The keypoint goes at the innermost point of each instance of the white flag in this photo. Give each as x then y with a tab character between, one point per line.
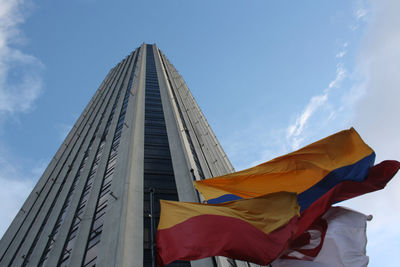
344	245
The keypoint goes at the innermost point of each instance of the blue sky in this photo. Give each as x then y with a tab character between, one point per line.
270	76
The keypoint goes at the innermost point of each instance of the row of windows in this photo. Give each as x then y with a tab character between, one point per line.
159	180
109	169
51	180
150	110
155	116
61	215
64	260
156	129
158	169
192	149
65	257
195	157
53	236
104	196
96	228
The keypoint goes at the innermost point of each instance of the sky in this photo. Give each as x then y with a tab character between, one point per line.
270	77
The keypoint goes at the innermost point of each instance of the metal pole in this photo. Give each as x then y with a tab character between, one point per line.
194	179
153	245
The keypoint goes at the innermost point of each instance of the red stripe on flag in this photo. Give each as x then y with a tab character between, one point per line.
213	235
379	175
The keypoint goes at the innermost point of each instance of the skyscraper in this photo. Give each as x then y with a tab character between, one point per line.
141	138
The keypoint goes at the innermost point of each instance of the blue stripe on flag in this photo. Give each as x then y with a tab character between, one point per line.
355	172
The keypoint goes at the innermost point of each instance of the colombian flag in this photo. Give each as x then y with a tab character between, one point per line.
256	230
260	221
311	171
378	177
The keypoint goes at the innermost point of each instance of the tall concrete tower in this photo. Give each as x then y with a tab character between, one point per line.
141	138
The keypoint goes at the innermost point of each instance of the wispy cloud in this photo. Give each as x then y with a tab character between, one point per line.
372	107
20	73
16	182
294	134
360	15
20	85
343	50
375	116
341	54
377	109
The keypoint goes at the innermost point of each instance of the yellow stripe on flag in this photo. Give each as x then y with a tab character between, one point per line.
294	172
267	213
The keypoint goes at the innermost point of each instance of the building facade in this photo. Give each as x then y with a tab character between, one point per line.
141	138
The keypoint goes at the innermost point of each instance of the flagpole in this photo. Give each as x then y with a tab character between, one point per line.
153	245
194	179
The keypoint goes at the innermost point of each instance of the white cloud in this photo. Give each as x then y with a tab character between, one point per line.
341	54
16	184
361	13
20	86
20	73
354	27
343	50
13	193
295	131
376	118
372	106
340	75
295	135
376	112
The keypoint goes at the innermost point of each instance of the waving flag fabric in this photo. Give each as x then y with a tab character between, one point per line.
256	230
256	221
310	171
378	177
344	243
310	232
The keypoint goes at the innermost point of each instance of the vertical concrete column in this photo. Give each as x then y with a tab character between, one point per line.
180	152
41	204
204	133
55	198
83	146
114	232
189	127
78	252
197	134
186	150
109	237
57	250
130	243
44	179
178	145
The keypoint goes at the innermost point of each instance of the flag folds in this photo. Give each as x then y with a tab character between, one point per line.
310	171
344	243
257	215
379	175
255	230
